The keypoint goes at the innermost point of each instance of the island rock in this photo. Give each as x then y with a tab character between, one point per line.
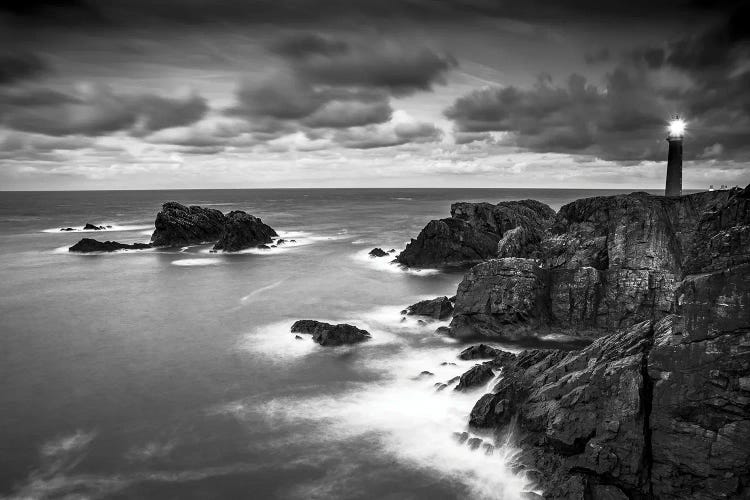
88	245
327	334
242	230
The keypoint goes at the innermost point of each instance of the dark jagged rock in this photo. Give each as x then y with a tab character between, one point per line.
178	225
377	252
608	263
242	230
475	376
439	308
92	227
657	410
88	245
461	437
480	351
474	443
500	297
473	232
327	334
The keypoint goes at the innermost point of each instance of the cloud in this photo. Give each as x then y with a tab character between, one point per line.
95	110
17	67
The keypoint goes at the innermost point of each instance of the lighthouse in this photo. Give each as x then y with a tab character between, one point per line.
674	158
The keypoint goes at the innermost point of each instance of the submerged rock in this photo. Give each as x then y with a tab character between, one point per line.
377	252
178	225
87	245
327	334
242	230
439	308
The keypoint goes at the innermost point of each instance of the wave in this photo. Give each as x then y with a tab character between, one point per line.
113	228
412	421
403	199
197	262
386	263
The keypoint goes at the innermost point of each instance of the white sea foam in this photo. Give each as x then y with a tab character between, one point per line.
413	422
197	262
386	263
114	228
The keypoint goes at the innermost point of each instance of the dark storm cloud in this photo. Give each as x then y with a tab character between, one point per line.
623	119
371	138
333	83
130	13
97	111
18	67
397	67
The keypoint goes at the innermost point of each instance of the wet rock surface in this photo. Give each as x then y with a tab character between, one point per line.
476	376
327	334
377	252
480	351
178	225
438	308
88	245
242	230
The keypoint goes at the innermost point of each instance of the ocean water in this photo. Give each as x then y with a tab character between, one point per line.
172	374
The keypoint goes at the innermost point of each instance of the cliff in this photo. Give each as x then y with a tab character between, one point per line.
604	263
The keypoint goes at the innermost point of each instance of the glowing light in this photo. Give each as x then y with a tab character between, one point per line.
677	127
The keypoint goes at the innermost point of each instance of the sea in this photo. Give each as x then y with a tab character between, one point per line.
172	374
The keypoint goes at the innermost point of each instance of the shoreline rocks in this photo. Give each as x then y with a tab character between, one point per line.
327	334
88	245
473	232
439	308
377	252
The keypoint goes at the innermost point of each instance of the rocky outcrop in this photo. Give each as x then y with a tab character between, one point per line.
178	225
657	410
473	232
480	351
88	245
476	376
500	297
607	263
327	334
92	227
377	252
439	308
242	230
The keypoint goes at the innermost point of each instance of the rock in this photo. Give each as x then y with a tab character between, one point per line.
500	297
87	245
281	241
488	449
92	227
242	230
442	330
480	351
377	252
454	380
425	373
476	376
447	363
461	437
392	250
655	410
297	337
327	334
439	308
67	229
473	232
605	263
178	225
474	443
421	322
440	386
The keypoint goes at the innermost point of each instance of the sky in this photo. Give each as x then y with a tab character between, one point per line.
172	94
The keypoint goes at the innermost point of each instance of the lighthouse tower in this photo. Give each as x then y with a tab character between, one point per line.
674	159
